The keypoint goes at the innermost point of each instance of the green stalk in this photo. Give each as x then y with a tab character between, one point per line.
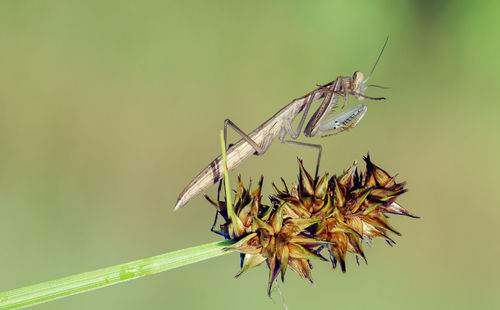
79	283
236	228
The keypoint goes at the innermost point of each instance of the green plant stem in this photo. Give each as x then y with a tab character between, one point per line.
236	228
79	283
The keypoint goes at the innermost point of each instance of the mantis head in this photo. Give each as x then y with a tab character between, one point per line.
358	85
358	81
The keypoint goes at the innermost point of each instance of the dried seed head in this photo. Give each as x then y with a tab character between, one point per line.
336	214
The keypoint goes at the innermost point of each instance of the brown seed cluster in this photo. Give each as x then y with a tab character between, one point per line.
334	214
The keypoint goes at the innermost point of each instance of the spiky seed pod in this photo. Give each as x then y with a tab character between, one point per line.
246	207
337	214
353	209
269	237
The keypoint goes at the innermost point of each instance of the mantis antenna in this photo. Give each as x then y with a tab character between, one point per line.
379	55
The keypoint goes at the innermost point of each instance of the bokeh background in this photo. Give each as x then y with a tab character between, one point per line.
109	108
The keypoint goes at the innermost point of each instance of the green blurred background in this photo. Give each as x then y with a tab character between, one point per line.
109	108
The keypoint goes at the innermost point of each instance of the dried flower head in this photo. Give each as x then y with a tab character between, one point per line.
335	214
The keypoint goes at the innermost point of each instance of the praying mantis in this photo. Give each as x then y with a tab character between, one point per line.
279	125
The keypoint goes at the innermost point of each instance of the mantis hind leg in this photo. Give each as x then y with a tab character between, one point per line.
258	150
316	146
218	232
216	212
